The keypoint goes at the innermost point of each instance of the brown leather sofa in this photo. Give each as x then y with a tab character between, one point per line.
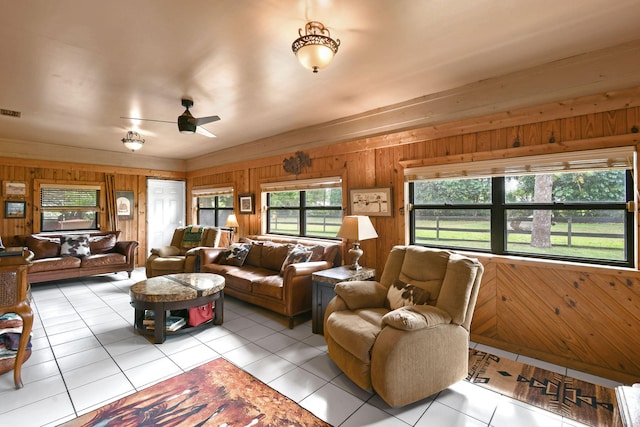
106	254
261	279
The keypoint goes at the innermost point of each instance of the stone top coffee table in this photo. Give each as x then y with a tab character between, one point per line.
176	292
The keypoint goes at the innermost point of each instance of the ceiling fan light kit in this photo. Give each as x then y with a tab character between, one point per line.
315	49
133	141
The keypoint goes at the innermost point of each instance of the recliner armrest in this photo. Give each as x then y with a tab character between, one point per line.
361	294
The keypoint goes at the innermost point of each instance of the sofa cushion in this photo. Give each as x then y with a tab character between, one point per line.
100	260
102	244
297	254
270	286
401	294
273	255
43	247
170	263
236	254
56	263
75	245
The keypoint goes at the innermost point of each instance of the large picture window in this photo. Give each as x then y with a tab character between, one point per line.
565	213
310	208
69	207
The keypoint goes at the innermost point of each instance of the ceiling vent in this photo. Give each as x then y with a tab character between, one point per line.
10	113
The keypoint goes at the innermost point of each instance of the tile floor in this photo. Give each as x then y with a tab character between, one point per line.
86	354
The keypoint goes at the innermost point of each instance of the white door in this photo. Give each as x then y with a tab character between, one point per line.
165	210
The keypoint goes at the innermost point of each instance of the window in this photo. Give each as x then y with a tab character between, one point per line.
311	208
69	207
561	212
213	206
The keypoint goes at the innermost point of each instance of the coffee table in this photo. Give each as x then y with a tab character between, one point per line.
176	292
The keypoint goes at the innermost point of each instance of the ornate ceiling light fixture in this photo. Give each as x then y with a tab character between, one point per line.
133	141
315	49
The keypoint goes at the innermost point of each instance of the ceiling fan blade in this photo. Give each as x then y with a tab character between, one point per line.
203	120
148	120
203	131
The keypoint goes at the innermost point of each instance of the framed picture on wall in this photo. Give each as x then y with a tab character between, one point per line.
371	201
12	188
13	209
124	204
246	203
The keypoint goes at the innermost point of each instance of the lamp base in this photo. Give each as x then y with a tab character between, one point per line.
355	253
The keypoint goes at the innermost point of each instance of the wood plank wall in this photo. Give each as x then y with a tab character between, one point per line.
578	316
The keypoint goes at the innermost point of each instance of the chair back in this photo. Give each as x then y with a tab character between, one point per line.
452	280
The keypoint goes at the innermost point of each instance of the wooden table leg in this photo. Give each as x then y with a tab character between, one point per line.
160	321
24	311
218	310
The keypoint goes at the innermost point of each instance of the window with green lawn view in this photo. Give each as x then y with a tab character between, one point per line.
309	212
578	215
66	207
214	210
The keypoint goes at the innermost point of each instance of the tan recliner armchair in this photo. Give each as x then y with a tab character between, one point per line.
180	255
411	352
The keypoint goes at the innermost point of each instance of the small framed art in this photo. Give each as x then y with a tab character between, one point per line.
15	188
371	201
246	203
13	209
124	204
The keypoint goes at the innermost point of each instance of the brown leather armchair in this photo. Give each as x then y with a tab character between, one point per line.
180	255
406	337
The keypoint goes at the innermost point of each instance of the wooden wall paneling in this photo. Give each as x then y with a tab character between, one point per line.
550	131
531	134
633	118
483	141
484	323
469	143
571	129
499	139
591	125
615	123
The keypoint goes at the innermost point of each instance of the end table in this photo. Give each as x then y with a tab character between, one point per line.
323	290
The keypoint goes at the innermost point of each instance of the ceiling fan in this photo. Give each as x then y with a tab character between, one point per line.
186	122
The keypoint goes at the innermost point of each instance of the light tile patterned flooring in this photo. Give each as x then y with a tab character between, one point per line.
86	354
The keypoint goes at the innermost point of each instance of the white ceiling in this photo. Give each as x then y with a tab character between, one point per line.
74	67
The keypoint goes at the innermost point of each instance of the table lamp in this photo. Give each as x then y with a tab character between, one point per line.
232	223
356	227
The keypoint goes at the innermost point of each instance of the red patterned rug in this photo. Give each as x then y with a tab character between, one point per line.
587	403
216	394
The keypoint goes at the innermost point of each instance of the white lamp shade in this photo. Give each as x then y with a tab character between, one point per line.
232	221
357	227
133	145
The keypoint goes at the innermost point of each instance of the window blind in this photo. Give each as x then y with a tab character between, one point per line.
611	158
207	191
303	184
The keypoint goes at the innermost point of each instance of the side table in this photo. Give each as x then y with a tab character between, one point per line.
324	282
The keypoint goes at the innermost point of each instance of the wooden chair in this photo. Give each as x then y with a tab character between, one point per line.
15	298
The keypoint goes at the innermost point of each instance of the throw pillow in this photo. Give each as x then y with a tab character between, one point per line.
296	255
401	294
192	236
43	247
75	246
235	254
102	244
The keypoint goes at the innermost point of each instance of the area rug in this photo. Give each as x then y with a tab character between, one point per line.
215	394
578	400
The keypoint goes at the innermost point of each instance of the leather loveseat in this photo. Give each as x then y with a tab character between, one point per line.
63	256
273	272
